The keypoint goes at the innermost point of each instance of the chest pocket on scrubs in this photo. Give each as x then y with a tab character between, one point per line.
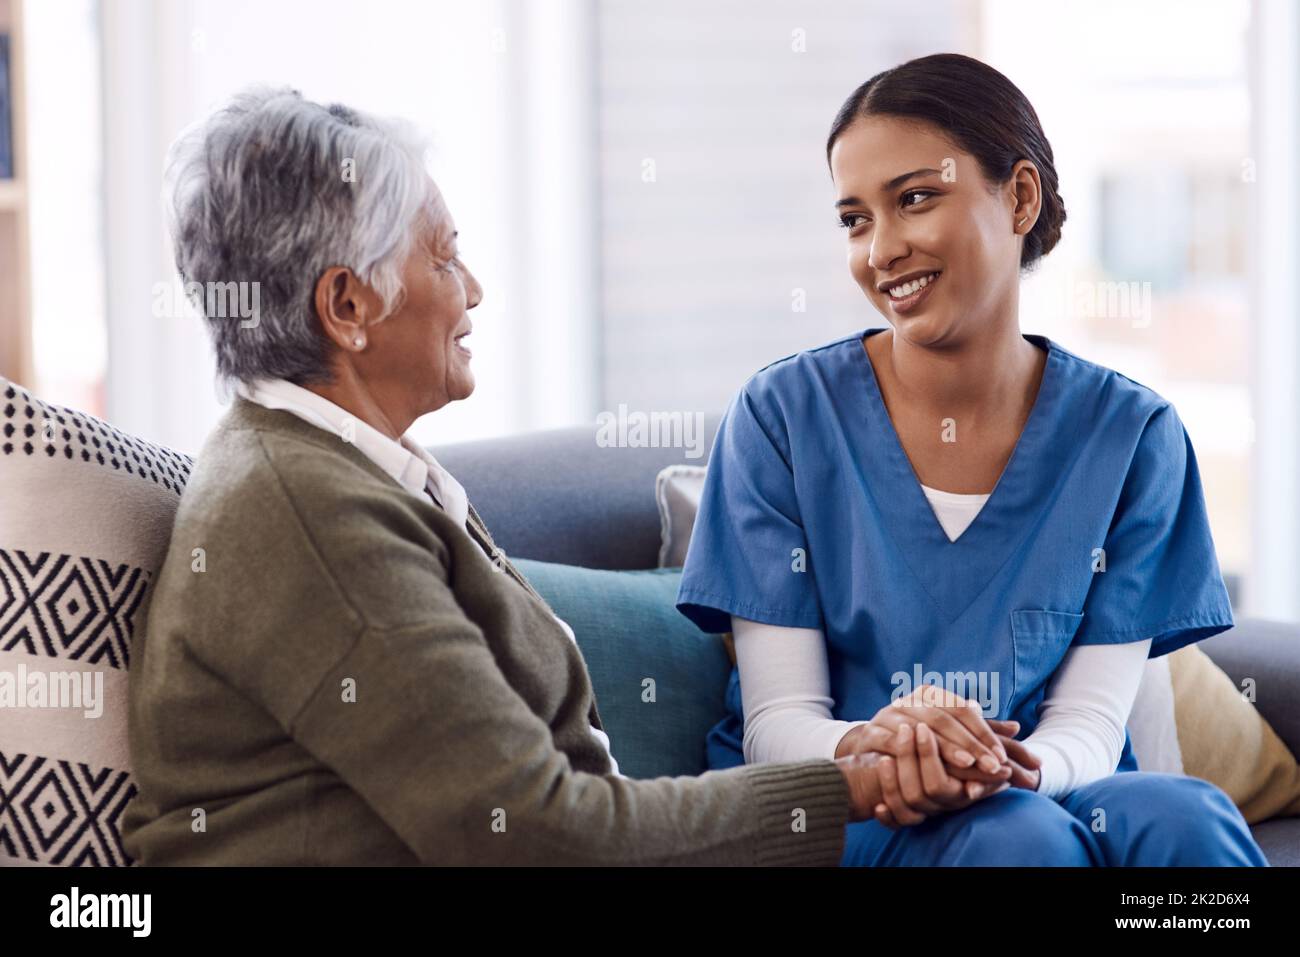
1041	639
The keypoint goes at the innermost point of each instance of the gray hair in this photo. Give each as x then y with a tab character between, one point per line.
259	193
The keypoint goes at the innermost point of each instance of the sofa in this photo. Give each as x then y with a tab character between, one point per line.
85	519
558	497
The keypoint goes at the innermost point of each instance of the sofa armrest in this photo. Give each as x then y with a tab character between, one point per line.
1267	652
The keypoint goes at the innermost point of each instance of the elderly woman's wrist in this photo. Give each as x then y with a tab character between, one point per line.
860	772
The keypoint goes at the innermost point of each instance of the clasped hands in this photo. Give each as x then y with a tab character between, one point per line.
934	752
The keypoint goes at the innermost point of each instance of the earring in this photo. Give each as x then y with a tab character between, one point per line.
1022	222
359	342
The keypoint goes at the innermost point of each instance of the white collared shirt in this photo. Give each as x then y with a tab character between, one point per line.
408	462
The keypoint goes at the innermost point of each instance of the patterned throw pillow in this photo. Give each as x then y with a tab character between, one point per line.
85	516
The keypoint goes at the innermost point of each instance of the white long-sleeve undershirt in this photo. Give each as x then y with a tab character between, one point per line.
785	691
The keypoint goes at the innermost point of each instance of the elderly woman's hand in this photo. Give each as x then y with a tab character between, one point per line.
901	767
971	755
915	783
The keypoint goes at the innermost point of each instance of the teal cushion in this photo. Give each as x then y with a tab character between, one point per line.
629	630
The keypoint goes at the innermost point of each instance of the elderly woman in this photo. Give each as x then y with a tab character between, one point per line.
338	666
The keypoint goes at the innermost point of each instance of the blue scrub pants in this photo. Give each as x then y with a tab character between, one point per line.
1130	819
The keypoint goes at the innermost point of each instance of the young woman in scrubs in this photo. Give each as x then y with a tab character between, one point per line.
946	507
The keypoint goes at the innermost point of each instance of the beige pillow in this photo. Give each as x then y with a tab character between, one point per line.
1224	739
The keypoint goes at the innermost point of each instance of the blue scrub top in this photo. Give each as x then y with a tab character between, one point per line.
812	517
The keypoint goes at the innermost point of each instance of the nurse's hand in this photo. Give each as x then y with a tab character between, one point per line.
965	739
1022	765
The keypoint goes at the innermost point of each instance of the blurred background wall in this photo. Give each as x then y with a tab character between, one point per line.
642	190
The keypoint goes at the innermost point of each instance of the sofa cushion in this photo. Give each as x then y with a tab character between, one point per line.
84	523
561	496
659	681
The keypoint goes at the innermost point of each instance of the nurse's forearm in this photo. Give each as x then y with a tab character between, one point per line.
794	733
1081	735
785	690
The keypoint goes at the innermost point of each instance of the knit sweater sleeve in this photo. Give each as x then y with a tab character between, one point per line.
455	762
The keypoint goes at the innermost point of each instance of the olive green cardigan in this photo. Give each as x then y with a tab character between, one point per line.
333	671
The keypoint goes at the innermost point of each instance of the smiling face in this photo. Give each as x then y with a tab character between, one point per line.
914	206
420	344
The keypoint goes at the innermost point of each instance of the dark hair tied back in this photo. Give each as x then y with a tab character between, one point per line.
981	111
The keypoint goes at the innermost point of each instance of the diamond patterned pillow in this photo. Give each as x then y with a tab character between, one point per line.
85	518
